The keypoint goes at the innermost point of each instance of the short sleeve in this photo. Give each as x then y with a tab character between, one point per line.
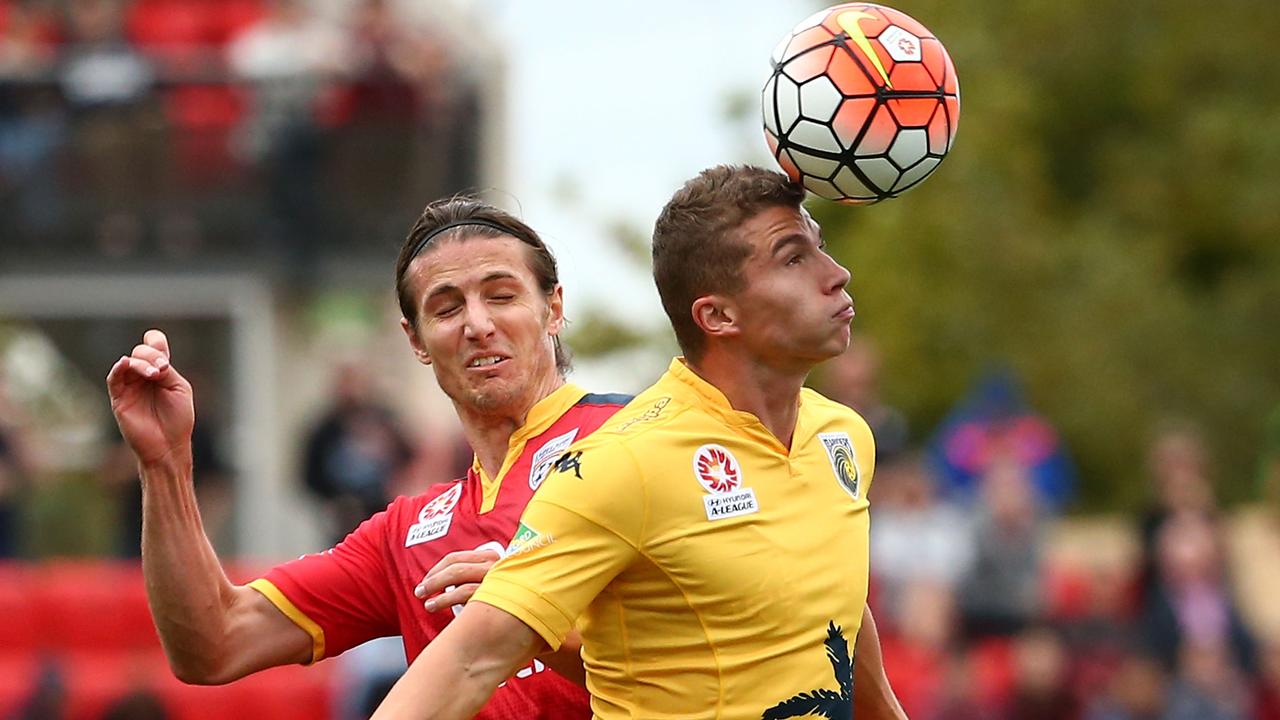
581	530
340	597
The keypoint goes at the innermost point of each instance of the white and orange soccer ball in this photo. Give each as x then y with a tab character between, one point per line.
862	105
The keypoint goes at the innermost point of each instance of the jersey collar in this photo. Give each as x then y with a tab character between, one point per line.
713	401
541	416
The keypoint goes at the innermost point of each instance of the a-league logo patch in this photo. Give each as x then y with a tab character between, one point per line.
435	517
720	476
844	462
546	456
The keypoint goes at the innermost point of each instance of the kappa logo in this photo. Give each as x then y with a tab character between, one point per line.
570	461
435	518
651	414
546	456
720	475
844	463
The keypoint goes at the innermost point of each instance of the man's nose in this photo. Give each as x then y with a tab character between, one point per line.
479	321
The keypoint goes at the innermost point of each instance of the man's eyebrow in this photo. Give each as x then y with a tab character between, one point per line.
787	241
446	288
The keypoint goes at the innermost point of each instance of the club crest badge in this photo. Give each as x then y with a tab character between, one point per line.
546	456
844	462
720	475
435	517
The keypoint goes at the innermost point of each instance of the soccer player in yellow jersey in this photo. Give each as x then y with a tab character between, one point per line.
710	540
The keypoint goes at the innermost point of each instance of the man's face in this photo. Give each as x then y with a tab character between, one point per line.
483	323
793	308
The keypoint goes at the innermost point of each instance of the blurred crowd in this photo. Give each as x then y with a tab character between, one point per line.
980	619
981	615
168	129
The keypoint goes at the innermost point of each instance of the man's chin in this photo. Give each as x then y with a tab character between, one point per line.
495	398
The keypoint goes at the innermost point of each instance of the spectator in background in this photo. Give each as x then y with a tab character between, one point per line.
994	424
289	58
1208	686
354	453
1040	674
1178	464
1001	594
118	474
916	538
853	379
107	85
15	475
391	110
1137	691
1192	610
32	128
1099	631
1267	705
917	652
137	705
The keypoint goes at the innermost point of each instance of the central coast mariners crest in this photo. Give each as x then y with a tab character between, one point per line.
843	462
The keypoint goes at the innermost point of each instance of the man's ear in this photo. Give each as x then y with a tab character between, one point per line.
555	311
415	342
716	315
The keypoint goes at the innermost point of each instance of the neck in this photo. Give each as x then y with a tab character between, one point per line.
769	393
489	433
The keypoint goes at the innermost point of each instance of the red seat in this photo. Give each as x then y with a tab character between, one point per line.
98	606
17	607
233	17
169	27
285	692
19	673
992	662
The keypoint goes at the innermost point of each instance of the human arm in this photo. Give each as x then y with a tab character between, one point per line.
456	578
873	698
461	668
212	631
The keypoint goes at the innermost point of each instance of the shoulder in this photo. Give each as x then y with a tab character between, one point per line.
615	400
644	418
826	410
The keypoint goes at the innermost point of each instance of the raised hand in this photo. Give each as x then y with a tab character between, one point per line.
152	402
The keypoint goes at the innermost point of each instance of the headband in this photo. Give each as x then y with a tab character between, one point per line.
453	224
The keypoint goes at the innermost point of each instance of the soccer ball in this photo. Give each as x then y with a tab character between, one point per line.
862	105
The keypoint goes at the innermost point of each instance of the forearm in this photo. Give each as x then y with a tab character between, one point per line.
873	697
189	594
454	677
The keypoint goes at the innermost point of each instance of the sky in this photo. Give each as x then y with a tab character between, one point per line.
623	102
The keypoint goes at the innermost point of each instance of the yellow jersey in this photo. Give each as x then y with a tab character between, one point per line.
712	572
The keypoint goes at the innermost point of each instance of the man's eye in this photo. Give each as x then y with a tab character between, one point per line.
504	297
447	310
794	260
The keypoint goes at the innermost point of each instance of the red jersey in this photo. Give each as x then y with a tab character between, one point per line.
363	588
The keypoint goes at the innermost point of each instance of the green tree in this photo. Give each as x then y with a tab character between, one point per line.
1106	224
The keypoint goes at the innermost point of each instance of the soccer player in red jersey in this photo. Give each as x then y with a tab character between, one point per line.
483	306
